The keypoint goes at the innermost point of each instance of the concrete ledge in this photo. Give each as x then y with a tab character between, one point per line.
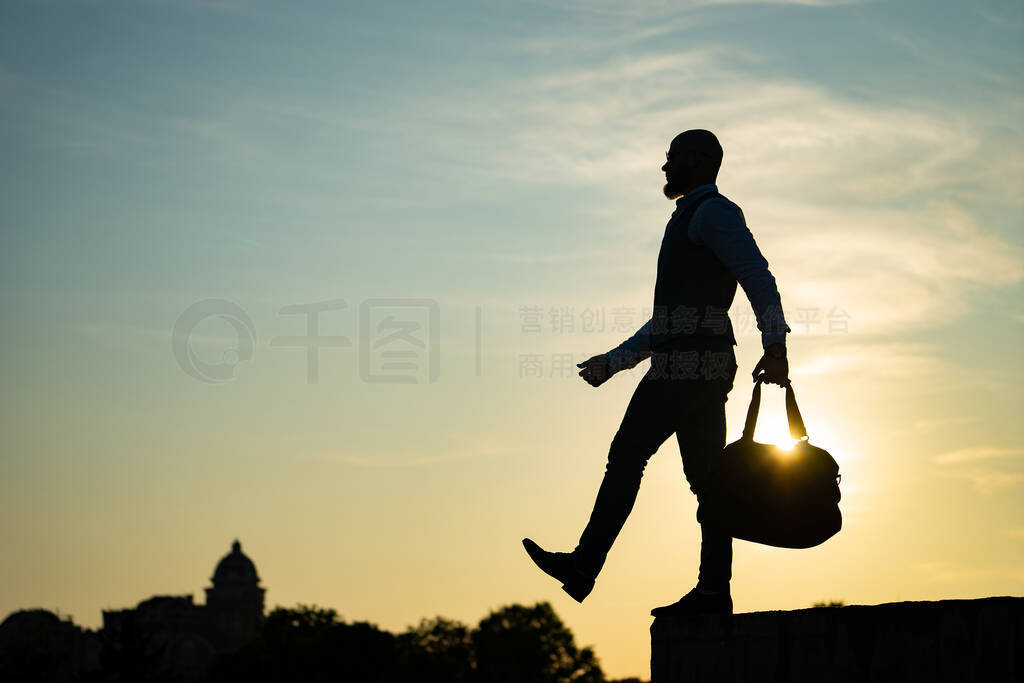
949	640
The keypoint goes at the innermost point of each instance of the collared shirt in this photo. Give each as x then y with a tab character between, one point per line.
719	224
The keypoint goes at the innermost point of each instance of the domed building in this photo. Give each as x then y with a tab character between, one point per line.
174	635
235	602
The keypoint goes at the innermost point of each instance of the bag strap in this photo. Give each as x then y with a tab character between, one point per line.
797	430
796	422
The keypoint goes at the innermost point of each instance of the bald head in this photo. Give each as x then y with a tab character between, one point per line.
700	141
693	159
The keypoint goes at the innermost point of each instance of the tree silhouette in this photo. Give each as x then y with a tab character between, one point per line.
513	644
439	649
312	645
518	643
830	603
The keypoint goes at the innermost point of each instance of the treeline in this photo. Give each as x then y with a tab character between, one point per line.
514	644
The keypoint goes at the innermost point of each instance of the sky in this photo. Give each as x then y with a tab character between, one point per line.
190	189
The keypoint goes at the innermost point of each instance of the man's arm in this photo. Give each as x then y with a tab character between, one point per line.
629	353
720	225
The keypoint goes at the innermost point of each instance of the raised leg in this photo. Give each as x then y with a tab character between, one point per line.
649	420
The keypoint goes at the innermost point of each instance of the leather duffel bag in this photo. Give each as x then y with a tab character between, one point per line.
765	494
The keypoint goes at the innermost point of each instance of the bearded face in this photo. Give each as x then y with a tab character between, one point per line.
678	175
693	159
673	189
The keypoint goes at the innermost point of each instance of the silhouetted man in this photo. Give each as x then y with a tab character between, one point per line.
706	250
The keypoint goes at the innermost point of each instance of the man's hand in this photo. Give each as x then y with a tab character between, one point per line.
596	370
772	369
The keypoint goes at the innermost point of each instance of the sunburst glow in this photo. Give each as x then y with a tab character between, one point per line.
774	432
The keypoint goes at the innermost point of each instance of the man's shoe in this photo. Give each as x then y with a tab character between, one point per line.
695	602
561	566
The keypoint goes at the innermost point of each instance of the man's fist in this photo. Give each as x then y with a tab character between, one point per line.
596	370
772	370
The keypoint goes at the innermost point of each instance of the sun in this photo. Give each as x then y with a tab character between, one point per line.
774	432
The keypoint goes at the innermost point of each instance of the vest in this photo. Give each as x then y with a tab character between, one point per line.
693	291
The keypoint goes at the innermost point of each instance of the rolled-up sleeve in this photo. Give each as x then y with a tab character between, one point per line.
719	224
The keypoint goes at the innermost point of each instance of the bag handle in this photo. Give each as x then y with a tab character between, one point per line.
796	423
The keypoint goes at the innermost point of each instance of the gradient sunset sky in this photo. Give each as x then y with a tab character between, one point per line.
496	165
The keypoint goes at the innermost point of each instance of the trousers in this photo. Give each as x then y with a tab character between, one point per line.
683	393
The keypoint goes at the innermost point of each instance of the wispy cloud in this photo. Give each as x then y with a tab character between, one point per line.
929	424
891	270
890	361
1009	16
648	8
987	481
988	469
975	453
605	122
847	232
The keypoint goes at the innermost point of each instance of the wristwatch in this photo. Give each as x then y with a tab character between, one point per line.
776	350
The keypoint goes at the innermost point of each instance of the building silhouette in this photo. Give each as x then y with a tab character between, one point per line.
166	634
